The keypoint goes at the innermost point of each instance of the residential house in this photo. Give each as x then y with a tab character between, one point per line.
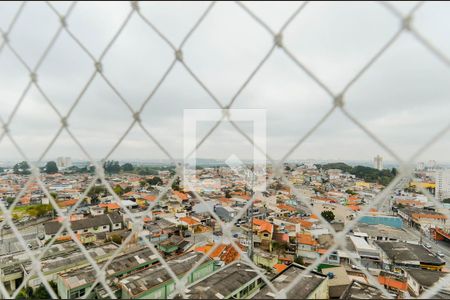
234	281
94	224
420	280
156	282
75	284
312	286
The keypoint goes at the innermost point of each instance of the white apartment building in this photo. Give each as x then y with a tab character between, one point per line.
378	162
63	162
442	184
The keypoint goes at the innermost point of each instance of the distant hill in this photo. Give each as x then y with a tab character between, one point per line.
369	174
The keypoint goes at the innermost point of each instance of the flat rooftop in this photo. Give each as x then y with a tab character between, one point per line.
121	263
222	283
409	252
425	278
301	290
147	279
359	290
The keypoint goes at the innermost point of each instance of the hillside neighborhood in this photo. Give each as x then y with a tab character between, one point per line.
141	215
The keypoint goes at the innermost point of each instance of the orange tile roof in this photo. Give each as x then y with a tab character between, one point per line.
189	221
409	202
286	207
313	216
303	223
67	203
354	207
280	267
109	205
428	216
182	196
218	251
263	225
230	254
128	194
306	239
149	197
205	248
25	199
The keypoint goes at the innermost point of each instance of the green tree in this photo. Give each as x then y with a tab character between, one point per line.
328	215
118	190
394	172
299	260
350	192
10	200
127	167
22	168
42	293
176	184
54	195
112	167
155	181
51	167
95	192
116	239
25	293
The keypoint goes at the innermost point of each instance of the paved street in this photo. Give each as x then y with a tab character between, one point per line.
10	244
436	246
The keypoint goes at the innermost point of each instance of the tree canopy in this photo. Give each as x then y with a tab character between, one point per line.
51	168
127	167
328	215
22	168
112	167
368	174
155	181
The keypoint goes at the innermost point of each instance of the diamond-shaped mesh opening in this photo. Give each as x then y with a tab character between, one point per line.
136	207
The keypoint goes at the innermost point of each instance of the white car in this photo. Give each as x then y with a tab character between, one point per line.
427	245
440	254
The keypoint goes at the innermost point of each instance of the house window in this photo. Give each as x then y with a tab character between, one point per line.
104	227
85	230
243	292
266	234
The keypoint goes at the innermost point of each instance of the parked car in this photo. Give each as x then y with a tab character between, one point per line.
440	254
427	245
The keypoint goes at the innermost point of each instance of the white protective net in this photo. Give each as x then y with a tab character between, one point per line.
406	26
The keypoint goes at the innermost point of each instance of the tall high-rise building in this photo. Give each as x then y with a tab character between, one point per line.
420	166
378	162
63	162
432	164
442	184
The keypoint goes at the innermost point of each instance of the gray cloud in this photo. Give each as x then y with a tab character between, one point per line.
403	98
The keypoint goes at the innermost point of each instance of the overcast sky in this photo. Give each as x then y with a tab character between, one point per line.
403	98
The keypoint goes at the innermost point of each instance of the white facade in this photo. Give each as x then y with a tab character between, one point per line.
63	162
378	162
443	184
